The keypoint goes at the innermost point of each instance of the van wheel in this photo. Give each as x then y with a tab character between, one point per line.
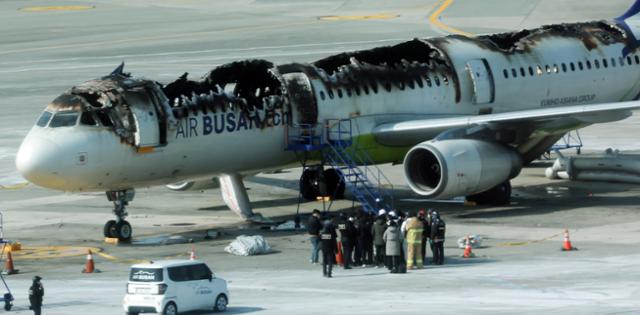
221	303
170	309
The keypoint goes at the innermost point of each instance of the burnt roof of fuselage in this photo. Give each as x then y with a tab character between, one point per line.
592	34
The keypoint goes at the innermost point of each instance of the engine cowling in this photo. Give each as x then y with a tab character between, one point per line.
195	185
459	167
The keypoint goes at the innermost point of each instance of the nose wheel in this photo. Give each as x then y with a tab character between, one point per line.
119	228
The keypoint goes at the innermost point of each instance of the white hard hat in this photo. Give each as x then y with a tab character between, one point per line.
392	213
382	212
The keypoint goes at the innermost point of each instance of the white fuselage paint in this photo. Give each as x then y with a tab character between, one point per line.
193	153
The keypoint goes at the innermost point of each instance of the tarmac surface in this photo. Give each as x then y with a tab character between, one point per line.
46	47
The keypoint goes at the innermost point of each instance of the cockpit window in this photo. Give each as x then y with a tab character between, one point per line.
64	119
44	119
87	119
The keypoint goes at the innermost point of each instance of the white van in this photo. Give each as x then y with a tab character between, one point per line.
169	286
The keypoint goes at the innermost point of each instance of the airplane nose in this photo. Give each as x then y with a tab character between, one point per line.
37	162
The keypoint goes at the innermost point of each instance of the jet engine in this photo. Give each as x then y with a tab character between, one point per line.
459	167
195	185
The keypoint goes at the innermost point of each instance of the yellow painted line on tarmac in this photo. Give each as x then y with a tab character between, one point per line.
380	16
511	244
118	260
434	18
51	252
57	8
14	187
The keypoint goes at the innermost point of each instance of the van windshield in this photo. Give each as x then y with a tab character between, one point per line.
145	275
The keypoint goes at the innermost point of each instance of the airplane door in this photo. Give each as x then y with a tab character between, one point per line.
482	78
145	116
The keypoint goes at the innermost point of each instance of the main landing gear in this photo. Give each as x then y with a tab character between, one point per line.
316	182
119	228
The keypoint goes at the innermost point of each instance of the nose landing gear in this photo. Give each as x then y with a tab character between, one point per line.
119	228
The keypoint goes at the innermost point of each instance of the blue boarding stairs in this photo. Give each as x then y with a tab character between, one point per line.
357	170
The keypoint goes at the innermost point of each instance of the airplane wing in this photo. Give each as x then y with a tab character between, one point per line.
557	120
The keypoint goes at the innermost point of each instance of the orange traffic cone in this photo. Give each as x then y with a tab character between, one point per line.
467	249
192	256
8	266
90	266
566	246
339	258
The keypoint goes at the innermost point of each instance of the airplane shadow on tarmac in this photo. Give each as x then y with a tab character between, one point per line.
540	200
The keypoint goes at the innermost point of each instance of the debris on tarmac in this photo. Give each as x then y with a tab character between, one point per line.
475	240
288	226
245	245
167	239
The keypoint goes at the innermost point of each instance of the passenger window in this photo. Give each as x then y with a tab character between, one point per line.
548	69
200	272
429	81
555	68
580	66
179	274
340	93
564	67
621	61
105	120
322	96
348	92
596	63
573	67
613	62
637	59
629	62
531	71
357	88
436	80
605	63
64	119
514	72
419	81
588	65
522	72
505	72
44	119
366	89
445	80
539	70
87	119
387	86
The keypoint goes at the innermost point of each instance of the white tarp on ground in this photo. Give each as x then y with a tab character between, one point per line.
245	245
475	240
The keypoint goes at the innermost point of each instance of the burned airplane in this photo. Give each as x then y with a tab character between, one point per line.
464	114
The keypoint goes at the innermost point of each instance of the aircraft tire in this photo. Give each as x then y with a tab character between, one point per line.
308	190
496	196
109	227
123	231
334	183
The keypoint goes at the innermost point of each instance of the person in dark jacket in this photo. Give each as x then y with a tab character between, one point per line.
422	216
365	239
329	245
347	238
313	227
377	231
437	238
36	293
